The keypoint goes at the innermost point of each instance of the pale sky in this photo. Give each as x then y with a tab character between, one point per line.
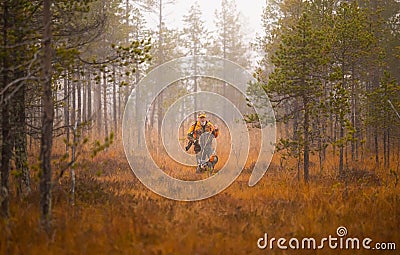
250	10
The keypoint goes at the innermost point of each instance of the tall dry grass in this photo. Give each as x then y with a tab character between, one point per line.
115	214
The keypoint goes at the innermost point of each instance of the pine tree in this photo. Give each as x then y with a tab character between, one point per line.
47	118
229	43
194	34
351	44
195	39
383	99
296	61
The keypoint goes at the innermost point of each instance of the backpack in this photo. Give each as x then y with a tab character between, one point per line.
195	124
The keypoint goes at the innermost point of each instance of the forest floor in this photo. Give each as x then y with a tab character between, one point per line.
115	214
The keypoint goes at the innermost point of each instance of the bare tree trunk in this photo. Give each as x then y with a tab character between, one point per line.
120	106
98	107
139	141
105	103
73	150
353	115
384	147
115	100
341	120
79	97
66	111
306	125
89	98
225	57
20	143
160	113
84	96
298	165
341	150
334	135
196	88
321	130
73	91
47	119
161	61
181	118
6	148
295	138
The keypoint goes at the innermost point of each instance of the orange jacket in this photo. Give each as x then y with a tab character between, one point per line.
196	130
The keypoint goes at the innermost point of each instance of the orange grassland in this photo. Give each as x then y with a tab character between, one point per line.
115	214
